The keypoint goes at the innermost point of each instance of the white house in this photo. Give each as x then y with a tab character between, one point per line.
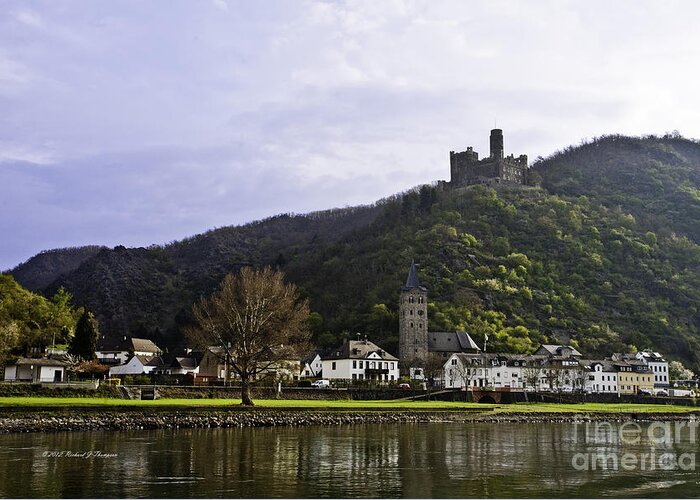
360	360
311	366
137	365
117	352
182	365
601	377
497	371
658	365
36	370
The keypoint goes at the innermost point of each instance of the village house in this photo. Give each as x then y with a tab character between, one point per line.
311	366
601	376
513	372
658	365
36	370
497	371
360	360
634	376
213	364
138	365
183	365
113	352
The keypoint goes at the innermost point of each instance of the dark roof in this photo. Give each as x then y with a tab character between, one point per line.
496	359
359	349
412	281
126	344
150	360
652	356
309	358
451	342
40	361
108	344
638	365
608	365
557	350
187	363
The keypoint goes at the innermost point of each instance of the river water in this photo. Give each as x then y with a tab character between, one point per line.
397	460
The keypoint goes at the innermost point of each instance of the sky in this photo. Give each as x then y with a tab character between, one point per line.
139	123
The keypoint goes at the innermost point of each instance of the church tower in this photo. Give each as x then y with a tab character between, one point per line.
413	321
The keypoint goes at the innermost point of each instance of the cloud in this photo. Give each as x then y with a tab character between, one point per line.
154	121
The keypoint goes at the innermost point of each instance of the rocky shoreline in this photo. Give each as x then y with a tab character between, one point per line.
24	420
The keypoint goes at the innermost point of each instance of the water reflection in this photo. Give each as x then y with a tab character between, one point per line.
407	460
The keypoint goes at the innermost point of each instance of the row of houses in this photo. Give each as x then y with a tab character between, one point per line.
552	368
558	368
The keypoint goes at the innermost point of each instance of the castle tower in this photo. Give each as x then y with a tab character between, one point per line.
496	144
413	321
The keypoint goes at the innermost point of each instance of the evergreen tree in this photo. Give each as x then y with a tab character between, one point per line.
84	342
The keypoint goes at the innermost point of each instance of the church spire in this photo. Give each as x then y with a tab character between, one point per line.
412	281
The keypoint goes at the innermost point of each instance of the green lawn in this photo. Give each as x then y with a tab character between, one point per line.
342	405
31	401
594	408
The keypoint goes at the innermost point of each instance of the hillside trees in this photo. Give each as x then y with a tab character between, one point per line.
30	320
606	253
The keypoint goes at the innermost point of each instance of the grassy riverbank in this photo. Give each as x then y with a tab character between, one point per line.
341	405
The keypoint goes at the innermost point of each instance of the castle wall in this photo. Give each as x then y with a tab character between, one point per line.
466	169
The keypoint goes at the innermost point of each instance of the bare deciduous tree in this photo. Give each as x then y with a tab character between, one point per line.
433	369
258	322
463	373
532	375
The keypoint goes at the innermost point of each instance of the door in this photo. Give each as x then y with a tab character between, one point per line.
57	375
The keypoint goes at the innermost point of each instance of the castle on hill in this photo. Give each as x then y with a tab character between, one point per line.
467	169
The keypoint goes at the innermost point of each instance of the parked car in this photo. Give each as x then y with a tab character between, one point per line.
662	392
404	385
321	384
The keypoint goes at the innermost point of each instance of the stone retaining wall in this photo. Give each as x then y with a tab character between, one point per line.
359	394
51	390
101	420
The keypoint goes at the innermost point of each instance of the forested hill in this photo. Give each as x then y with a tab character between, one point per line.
604	254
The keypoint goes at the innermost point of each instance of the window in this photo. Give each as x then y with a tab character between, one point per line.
354	376
411	324
453	362
411	313
354	363
333	365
